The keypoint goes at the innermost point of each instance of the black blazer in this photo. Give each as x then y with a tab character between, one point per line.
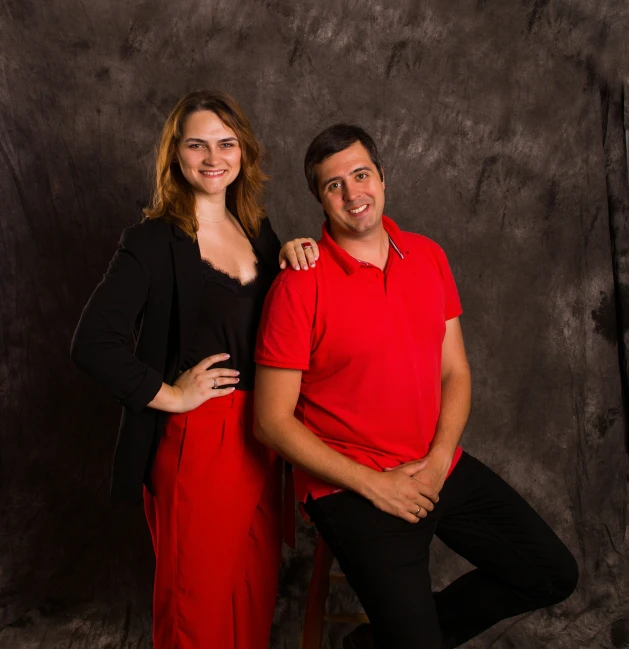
151	293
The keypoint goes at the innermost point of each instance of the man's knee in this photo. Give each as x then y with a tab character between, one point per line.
559	582
565	579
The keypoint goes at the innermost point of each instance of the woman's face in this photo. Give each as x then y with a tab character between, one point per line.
208	153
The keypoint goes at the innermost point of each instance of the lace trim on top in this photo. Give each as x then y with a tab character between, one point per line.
213	274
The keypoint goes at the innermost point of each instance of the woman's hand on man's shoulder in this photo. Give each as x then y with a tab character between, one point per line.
299	254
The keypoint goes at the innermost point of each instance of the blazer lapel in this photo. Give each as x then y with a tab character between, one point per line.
265	246
261	248
188	279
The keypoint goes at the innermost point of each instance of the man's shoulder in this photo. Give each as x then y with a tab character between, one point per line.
300	281
423	250
420	243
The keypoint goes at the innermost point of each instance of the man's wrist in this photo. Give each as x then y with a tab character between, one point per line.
442	455
363	481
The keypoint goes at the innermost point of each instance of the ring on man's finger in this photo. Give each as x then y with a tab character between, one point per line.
418	512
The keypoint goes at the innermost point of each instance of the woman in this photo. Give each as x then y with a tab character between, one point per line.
190	281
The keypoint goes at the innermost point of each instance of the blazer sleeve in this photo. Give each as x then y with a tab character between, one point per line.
101	343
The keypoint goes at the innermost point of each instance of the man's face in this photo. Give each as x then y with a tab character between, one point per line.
351	192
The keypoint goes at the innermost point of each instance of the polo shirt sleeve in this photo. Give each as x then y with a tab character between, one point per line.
285	331
452	302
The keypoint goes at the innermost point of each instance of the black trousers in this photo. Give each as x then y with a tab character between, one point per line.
521	565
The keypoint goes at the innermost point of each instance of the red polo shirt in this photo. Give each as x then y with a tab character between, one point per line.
368	343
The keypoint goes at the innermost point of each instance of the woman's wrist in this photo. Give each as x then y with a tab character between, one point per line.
168	399
176	396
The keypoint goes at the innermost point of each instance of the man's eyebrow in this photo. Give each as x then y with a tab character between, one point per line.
351	173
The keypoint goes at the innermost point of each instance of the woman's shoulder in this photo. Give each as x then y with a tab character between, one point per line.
266	231
147	234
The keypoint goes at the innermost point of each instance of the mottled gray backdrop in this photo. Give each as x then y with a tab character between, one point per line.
502	128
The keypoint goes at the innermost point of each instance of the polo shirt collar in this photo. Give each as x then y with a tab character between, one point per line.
350	264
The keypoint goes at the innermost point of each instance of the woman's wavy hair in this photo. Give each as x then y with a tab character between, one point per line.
173	198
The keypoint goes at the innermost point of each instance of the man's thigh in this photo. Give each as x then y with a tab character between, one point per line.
486	521
385	560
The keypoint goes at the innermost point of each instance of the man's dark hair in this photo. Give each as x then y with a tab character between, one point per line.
333	140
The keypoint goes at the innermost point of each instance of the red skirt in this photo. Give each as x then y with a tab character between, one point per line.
216	527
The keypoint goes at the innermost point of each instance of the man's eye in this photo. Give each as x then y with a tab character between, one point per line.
333	186
361	176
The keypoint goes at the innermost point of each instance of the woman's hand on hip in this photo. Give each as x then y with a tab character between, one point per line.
299	253
196	385
200	383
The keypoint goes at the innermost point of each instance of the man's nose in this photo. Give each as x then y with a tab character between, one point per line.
351	191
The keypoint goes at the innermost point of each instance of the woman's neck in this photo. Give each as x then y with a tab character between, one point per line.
210	209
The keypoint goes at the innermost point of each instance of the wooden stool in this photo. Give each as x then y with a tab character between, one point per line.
318	591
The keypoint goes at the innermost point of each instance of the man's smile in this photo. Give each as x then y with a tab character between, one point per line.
358	210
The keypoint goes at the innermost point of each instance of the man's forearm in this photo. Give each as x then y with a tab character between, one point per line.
301	447
456	392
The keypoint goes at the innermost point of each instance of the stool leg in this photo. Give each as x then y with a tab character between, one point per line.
312	633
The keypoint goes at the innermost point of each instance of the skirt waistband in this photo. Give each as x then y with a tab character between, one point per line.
237	399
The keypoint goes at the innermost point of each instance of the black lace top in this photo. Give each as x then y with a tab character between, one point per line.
229	315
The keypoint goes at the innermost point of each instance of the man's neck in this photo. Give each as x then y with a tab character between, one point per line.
372	247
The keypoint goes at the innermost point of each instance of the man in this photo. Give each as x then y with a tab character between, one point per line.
363	384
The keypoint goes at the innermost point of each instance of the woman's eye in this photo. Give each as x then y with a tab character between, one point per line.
196	146
227	145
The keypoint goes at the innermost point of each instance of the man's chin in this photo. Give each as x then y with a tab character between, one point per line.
364	226
355	228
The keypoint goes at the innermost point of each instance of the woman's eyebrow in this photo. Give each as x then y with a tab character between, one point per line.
201	141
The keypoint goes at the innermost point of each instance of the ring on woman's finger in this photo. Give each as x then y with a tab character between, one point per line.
306	245
215	384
